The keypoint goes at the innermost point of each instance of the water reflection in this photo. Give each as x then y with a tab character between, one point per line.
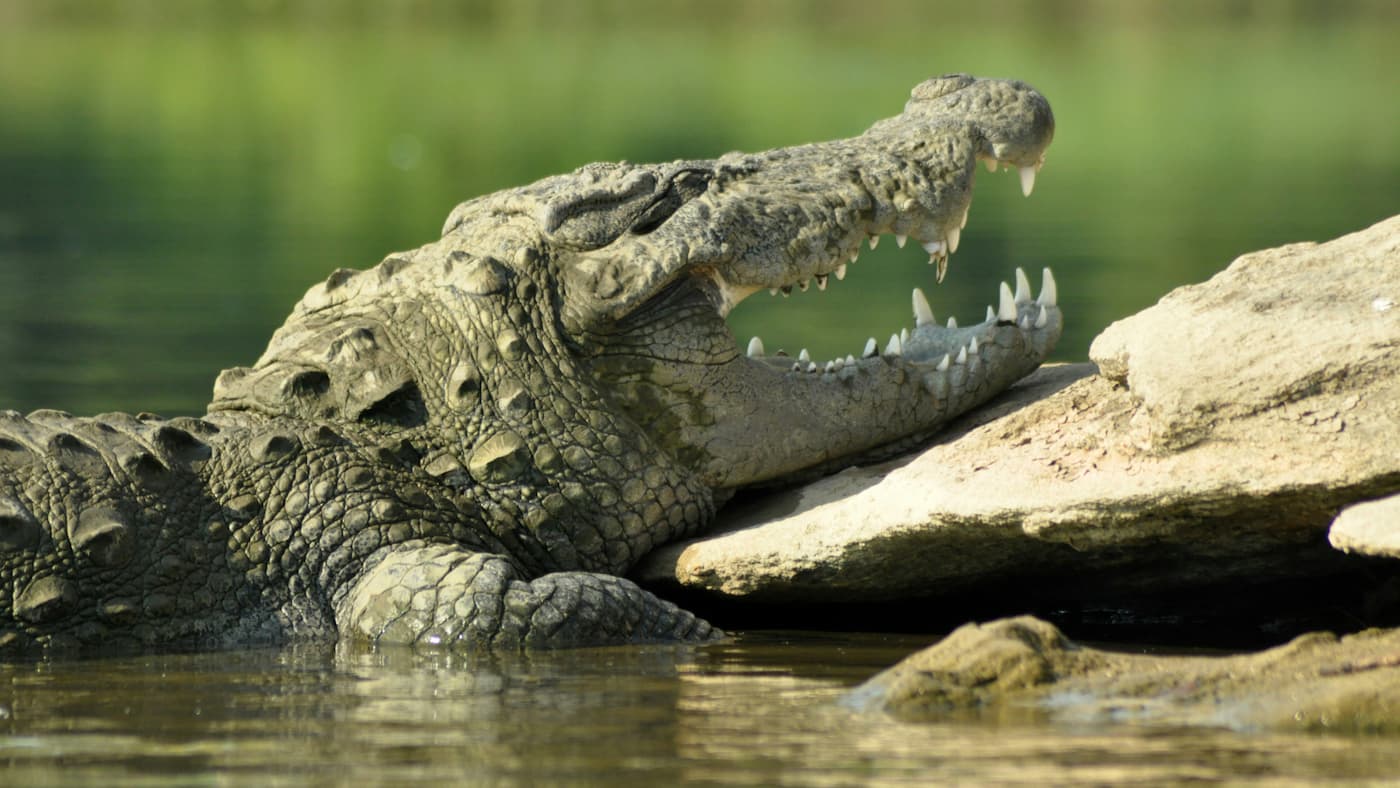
760	710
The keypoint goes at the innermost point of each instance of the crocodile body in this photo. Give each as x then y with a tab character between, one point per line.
470	443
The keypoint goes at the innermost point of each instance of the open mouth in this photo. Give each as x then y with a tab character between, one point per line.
1019	321
945	345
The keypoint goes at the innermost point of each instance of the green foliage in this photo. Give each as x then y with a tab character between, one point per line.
174	175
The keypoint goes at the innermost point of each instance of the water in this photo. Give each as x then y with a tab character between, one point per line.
174	176
757	711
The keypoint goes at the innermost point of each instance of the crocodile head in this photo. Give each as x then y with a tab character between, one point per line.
648	259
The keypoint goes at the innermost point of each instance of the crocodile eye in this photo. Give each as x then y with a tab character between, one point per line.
684	187
656	214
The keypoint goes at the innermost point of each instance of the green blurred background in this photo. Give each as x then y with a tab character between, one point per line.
173	175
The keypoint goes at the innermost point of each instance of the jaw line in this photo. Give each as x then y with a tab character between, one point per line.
727	296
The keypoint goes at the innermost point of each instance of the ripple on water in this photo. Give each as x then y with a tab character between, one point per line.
761	710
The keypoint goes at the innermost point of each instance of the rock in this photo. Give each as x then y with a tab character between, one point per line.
1303	332
1024	669
1227	427
876	532
1371	528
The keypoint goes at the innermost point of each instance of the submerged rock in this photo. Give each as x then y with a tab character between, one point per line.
1026	669
1226	428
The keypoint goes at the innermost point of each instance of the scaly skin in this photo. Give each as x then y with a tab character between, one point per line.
471	442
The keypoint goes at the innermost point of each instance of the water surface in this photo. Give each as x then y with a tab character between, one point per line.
757	711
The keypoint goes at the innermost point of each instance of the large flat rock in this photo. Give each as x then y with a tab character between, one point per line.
1227	427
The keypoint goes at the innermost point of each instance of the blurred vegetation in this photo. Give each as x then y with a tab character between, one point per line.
173	175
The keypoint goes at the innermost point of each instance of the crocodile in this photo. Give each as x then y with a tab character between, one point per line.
469	444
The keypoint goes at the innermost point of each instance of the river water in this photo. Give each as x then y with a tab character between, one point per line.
761	709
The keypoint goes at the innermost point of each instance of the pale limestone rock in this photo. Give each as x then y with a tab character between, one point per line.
1370	528
1296	332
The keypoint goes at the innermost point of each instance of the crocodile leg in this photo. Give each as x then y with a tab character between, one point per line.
438	594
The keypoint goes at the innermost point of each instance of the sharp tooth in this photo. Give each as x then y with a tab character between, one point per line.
895	347
874	241
942	365
796	367
804	355
934	248
1026	323
941	271
786	290
952	322
991	165
841	271
772	291
904	336
1027	180
755	347
923	313
899	240
1023	287
955	235
1042	319
991	315
1006	310
962	356
1048	291
871	346
972	346
850	359
963	222
821	281
803	285
830	366
811	366
855	255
